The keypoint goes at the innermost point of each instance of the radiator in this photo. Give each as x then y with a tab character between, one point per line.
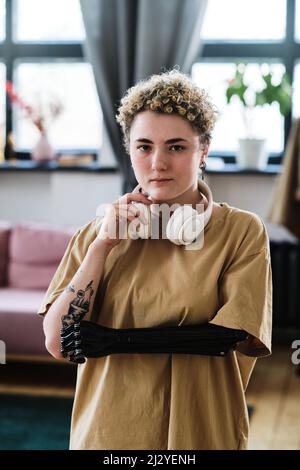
285	261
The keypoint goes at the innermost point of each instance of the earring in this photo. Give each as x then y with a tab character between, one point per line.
202	167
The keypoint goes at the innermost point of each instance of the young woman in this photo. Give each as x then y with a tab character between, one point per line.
160	400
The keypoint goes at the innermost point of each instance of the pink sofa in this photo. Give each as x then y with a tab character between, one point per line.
29	256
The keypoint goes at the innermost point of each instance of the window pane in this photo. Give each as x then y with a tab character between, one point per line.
69	83
296	92
244	20
2	105
297	21
267	120
48	20
2	20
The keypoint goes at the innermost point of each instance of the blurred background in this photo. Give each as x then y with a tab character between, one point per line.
64	66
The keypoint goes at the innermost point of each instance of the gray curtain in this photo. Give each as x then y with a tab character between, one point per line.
128	40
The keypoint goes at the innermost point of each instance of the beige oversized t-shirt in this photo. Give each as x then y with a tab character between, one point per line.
173	401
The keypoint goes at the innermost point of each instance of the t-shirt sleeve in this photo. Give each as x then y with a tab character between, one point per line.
70	262
245	291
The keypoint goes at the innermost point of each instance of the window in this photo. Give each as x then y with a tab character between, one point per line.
297	21
2	20
229	127
66	82
43	57
53	20
264	34
244	20
2	105
296	90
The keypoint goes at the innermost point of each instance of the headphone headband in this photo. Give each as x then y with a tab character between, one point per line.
205	189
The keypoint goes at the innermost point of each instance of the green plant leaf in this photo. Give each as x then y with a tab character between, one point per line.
237	87
280	93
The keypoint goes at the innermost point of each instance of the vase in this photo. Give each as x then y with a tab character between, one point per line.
252	154
43	151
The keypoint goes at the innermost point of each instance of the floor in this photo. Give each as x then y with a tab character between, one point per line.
43	379
274	392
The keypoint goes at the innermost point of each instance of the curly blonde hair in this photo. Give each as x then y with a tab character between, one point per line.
169	92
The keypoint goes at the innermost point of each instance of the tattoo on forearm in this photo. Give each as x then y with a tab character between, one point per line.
79	306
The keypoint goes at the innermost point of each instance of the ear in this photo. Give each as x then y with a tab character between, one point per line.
205	151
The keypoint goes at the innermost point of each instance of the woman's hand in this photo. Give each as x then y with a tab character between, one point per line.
118	215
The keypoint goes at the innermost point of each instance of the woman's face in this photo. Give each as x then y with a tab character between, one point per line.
166	147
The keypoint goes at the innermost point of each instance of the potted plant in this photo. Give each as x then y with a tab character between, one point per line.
252	150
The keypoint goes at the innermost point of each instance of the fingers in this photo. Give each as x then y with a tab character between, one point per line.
126	214
130	212
138	197
129	199
123	211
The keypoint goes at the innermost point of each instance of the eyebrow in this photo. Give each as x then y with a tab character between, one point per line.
170	141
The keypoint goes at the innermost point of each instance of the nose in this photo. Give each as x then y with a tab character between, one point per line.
159	160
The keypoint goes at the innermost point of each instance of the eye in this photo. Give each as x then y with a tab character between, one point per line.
144	148
177	148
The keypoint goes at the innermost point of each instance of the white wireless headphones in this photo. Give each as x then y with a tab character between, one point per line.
184	227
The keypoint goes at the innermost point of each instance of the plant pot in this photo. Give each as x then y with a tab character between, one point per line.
43	150
252	153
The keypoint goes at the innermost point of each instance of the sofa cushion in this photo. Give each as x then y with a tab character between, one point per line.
35	251
21	329
5	230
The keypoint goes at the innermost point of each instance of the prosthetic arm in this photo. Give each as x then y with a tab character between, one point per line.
82	339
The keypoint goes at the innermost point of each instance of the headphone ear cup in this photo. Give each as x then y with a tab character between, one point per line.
137	229
184	226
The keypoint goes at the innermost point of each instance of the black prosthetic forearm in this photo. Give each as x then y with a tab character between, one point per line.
86	339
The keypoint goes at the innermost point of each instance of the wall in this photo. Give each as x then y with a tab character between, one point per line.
71	198
249	192
55	197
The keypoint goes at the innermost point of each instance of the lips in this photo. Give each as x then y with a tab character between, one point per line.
161	182
161	179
